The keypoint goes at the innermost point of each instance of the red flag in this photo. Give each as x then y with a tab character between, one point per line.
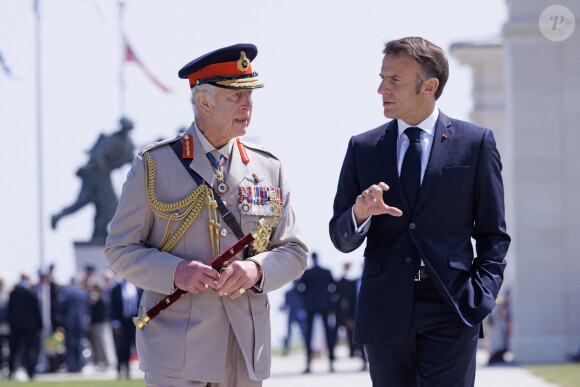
131	57
4	66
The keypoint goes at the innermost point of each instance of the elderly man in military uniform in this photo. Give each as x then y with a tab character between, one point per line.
166	231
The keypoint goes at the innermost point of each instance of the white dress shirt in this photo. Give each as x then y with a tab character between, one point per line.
426	140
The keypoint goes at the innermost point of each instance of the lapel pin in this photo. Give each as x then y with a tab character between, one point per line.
443	137
254	178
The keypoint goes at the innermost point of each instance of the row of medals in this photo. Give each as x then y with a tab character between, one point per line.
247	208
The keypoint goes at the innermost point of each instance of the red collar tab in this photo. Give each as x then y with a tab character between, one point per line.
242	149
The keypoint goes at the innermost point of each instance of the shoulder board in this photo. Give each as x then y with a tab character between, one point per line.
258	148
158	144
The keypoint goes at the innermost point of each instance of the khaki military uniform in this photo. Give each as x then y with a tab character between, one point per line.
189	340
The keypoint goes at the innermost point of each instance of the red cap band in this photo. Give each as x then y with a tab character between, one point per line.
218	70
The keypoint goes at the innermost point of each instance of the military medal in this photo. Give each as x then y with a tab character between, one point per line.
221	187
260	201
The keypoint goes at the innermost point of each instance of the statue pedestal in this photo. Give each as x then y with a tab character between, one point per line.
90	254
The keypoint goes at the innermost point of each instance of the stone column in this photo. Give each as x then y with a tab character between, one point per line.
543	85
487	62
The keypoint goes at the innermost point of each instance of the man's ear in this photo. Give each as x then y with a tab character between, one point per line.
430	86
202	102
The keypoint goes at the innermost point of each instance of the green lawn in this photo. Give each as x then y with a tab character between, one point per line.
564	375
84	383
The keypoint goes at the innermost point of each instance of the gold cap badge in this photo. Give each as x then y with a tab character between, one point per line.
243	62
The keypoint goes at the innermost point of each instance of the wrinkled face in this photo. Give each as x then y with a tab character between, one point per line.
398	87
229	115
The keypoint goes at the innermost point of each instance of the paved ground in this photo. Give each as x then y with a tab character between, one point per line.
287	372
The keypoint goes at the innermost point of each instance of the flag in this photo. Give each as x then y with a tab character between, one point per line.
4	66
131	57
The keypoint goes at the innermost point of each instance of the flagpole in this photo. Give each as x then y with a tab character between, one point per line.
44	295
122	62
40	193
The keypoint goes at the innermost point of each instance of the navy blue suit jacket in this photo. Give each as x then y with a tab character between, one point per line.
461	197
317	287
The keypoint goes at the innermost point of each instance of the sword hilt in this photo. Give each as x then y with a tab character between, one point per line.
141	321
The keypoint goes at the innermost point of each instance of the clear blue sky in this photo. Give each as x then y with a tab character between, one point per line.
319	60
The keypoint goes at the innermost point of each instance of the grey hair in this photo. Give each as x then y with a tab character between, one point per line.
210	90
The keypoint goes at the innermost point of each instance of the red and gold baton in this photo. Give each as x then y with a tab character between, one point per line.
259	236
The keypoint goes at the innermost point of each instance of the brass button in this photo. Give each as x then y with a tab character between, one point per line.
223	233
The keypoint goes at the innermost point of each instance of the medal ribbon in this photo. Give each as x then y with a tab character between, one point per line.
260	195
215	162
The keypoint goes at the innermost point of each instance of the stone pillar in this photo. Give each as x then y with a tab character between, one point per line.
486	60
543	85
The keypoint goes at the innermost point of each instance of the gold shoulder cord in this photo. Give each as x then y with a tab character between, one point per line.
195	201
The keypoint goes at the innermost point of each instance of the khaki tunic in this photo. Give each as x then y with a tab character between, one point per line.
189	340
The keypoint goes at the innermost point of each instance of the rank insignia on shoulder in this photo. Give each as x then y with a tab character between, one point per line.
187	147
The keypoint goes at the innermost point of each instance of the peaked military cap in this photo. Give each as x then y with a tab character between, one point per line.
227	67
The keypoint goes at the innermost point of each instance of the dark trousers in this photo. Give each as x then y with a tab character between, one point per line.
124	341
328	330
439	350
24	349
74	350
303	330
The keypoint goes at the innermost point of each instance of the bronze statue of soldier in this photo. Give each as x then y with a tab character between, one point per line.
109	153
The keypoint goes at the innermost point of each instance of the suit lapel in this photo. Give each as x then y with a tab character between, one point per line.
442	140
388	150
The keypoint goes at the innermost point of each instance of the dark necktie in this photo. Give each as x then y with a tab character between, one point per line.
411	169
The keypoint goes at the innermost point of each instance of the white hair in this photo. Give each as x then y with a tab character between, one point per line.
210	90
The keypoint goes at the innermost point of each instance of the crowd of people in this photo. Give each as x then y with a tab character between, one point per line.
318	297
46	327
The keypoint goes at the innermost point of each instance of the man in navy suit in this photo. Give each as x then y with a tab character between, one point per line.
318	290
424	292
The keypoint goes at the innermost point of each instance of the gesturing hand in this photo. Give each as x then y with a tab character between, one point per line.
370	202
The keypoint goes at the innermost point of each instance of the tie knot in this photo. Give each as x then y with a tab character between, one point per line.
215	154
413	133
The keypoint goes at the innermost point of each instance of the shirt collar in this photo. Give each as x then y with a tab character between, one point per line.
225	150
428	124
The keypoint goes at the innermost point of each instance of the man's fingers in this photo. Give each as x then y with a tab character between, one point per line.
383	186
394	211
207	283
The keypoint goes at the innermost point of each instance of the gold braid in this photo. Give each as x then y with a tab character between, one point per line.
195	201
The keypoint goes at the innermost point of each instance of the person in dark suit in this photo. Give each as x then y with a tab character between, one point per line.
294	305
418	189
124	306
347	289
25	321
76	316
318	290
